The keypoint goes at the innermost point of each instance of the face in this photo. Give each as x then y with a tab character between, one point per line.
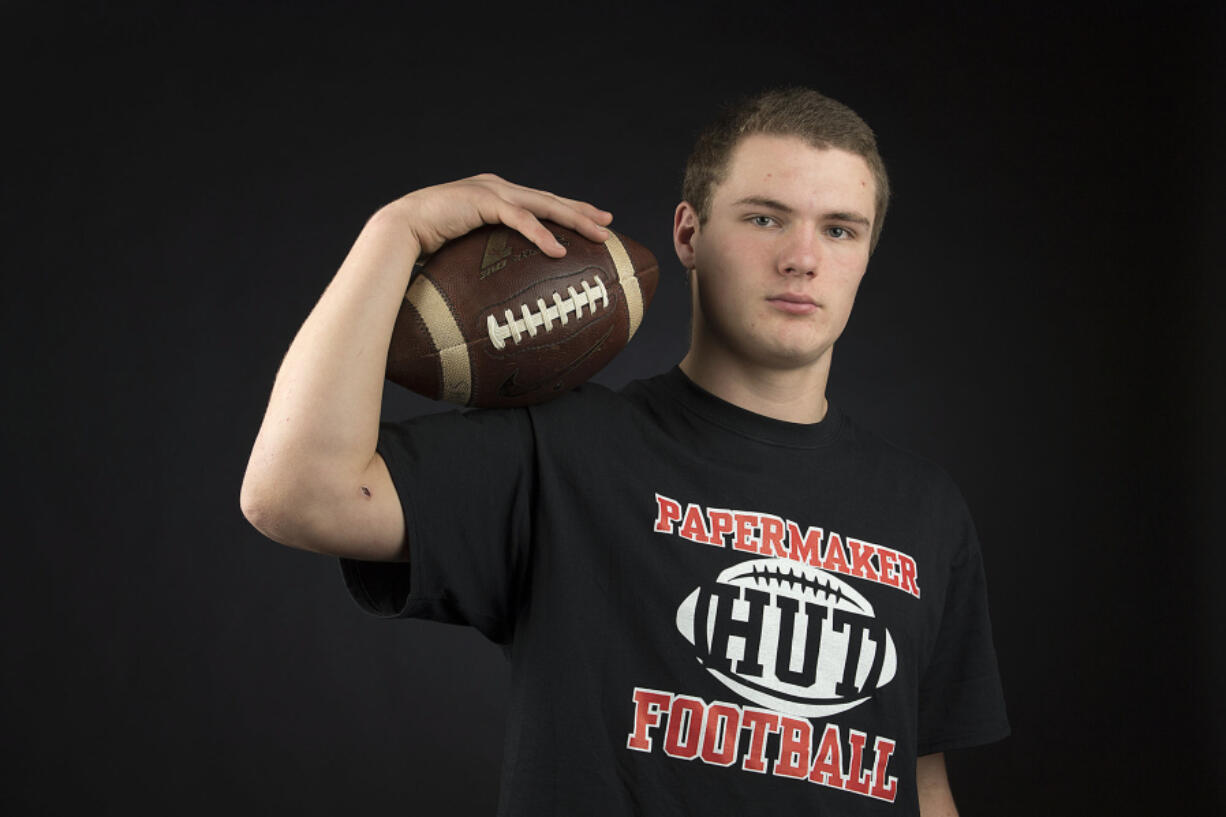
778	262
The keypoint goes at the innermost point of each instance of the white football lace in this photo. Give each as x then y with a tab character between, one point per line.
529	322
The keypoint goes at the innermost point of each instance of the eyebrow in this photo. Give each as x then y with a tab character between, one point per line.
774	204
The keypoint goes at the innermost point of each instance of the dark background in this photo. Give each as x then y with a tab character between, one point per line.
1043	317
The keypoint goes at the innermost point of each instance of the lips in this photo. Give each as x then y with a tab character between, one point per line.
793	299
792	303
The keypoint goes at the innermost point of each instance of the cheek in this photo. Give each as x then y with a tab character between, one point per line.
715	271
727	248
847	280
852	286
721	302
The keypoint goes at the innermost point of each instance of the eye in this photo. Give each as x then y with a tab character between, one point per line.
762	221
839	232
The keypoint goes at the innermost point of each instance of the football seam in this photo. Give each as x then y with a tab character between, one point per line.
553	343
543	317
760	575
617	252
439	350
472	370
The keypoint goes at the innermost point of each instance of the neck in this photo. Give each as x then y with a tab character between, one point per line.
794	395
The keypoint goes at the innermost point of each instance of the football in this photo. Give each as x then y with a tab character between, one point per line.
491	321
789	636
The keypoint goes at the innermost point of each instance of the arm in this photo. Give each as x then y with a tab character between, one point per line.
314	480
932	785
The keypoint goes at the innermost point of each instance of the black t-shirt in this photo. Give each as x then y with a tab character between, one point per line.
707	611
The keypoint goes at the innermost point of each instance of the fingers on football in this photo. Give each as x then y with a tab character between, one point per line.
577	215
589	210
523	220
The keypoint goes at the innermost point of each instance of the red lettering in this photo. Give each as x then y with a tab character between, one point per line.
835	558
883	789
828	763
668	512
795	741
744	538
772	536
721	525
805	548
889	563
694	528
684	728
760	724
714	734
908	575
647	706
857	780
861	553
720	734
775	537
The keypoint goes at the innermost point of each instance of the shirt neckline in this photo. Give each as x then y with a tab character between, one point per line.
717	411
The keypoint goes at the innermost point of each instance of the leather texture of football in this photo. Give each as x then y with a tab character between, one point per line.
491	321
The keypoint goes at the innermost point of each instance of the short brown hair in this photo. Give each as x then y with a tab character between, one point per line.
803	112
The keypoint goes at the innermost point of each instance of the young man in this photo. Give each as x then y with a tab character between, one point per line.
719	594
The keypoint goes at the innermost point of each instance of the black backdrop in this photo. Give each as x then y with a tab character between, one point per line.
1043	317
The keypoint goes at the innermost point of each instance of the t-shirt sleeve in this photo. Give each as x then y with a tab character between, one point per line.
961	701
465	482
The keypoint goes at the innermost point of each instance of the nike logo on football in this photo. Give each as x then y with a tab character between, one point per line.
511	387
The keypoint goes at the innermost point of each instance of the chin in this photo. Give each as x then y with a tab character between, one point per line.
798	354
783	358
774	351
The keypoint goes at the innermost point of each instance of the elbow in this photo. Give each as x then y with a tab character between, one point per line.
277	509
265	519
251	498
254	510
259	506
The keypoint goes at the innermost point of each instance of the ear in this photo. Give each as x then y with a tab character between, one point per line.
685	233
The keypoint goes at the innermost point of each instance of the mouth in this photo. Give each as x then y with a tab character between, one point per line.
792	303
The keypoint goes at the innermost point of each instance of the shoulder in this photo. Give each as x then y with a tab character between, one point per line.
587	405
593	418
921	507
592	397
904	470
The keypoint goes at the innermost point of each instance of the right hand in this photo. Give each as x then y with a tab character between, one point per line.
435	215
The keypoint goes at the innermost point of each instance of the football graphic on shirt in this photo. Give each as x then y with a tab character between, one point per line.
789	636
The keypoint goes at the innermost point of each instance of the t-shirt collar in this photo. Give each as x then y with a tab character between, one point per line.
746	423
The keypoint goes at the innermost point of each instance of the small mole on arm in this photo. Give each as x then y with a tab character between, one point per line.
365	490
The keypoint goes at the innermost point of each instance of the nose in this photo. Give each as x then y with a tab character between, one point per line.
800	253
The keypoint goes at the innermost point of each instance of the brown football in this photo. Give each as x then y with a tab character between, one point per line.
489	320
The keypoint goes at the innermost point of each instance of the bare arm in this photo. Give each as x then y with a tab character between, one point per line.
932	784
313	479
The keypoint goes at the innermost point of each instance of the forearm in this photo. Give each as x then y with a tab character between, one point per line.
322	421
932	782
